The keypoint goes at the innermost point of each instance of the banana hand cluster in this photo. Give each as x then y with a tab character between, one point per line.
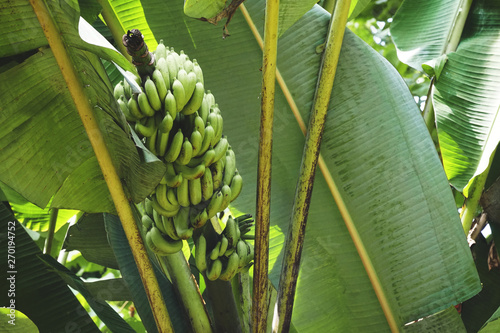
182	125
223	256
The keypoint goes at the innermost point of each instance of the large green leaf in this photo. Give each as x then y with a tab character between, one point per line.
467	98
378	151
50	152
421	29
38	292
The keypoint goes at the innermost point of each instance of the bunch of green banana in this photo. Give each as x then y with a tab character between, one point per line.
182	125
222	256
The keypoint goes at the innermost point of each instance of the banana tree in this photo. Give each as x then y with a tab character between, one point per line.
383	248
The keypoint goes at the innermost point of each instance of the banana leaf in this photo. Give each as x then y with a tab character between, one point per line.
89	237
467	99
103	310
376	148
420	30
50	153
39	292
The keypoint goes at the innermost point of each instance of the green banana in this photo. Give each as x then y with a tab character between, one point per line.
189	67
183	193
172	196
191	77
199	124
251	251
204	109
152	94
226	194
236	185
214	121
148	206
119	90
127	88
188	83
158	221
214	254
179	94
151	143
161	51
172	68
210	99
196	141
242	250
152	246
195	194
163	242
231	267
161	65
181	223
196	99
144	105
200	253
214	204
175	147
171	104
147	221
161	142
159	82
172	178
220	149
223	245
231	233
200	219
168	225
220	126
207	185
188	172
122	103
161	197
229	167
214	270
207	138
186	152
177	58
146	127
217	173
133	107
197	70
166	124
161	210
183	57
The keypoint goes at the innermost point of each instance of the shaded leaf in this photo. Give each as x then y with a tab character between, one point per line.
420	29
39	293
89	237
105	312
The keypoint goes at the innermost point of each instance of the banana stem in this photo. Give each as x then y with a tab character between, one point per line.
114	25
52	227
262	212
225	313
329	5
111	177
296	230
188	291
242	294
